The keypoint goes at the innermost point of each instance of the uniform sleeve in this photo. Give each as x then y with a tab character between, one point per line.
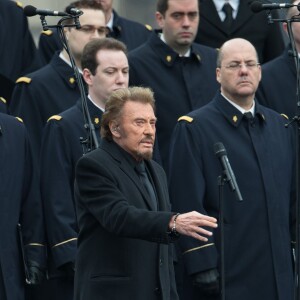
31	218
187	191
57	181
24	105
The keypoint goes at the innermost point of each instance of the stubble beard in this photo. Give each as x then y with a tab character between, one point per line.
147	155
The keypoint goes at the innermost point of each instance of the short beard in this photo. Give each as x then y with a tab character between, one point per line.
146	155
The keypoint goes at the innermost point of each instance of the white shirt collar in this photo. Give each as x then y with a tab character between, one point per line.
111	21
90	98
187	54
242	110
220	3
67	61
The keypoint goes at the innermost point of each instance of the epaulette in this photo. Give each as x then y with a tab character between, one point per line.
19	119
285	116
55	117
19	4
185	118
3	100
47	32
24	79
149	27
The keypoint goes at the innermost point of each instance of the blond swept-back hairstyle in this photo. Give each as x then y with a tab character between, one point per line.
116	101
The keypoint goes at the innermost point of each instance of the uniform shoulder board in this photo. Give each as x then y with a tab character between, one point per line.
24	79
186	118
285	116
149	27
55	117
3	100
47	32
19	119
19	4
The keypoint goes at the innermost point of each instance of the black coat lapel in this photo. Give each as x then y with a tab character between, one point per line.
208	11
113	150
243	15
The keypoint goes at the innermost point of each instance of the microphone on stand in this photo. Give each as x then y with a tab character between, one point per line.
71	10
257	6
31	11
221	153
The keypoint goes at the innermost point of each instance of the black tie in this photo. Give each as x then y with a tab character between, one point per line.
227	9
141	170
249	117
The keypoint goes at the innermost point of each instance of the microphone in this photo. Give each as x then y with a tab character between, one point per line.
221	153
31	11
73	11
257	6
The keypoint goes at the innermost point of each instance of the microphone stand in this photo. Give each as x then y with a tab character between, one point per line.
296	120
221	180
90	142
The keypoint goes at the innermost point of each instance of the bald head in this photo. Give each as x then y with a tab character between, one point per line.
235	46
238	71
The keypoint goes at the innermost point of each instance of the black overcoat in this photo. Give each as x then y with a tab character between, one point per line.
123	250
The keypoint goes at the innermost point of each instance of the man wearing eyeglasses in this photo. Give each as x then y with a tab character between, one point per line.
257	250
53	88
131	33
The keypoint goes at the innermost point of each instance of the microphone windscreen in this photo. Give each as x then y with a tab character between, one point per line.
30	11
69	9
219	149
256	6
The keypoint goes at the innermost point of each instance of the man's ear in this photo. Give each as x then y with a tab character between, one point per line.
159	19
87	76
218	75
114	129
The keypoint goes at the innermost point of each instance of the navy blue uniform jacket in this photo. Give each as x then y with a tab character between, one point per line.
20	203
123	250
277	88
42	94
258	261
180	85
18	54
61	149
254	27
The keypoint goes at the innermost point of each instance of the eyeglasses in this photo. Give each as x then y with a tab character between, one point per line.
250	65
89	29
